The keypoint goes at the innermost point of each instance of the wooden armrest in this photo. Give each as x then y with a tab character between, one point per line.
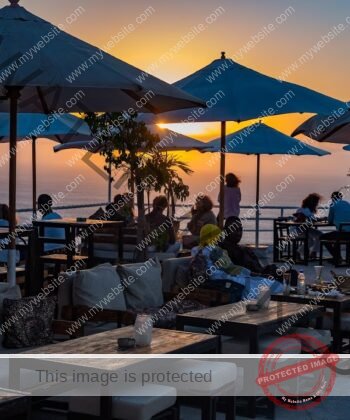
61	326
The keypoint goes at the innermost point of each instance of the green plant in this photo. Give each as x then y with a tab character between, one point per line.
164	169
124	142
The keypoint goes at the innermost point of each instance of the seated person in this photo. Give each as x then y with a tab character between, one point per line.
4	222
225	269
45	208
306	214
339	212
202	214
161	228
121	209
240	254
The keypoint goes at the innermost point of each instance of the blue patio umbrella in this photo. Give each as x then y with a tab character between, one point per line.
237	93
56	127
331	128
259	139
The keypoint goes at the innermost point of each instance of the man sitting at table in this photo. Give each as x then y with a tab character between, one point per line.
339	212
45	208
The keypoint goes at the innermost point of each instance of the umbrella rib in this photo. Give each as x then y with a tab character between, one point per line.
42	101
136	97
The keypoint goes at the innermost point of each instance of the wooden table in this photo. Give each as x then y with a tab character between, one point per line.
233	320
289	224
338	305
163	342
72	226
14	404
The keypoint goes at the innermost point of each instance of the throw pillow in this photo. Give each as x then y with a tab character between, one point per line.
30	321
143	284
8	293
99	286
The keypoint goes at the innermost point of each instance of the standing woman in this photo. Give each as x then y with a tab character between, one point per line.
232	205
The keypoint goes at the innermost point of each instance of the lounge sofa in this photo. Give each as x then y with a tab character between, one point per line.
153	291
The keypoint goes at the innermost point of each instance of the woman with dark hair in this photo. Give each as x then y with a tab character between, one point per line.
306	215
232	194
202	214
162	227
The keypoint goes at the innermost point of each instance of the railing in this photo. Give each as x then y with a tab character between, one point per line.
279	211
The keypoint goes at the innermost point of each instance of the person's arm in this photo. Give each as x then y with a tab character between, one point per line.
331	215
171	232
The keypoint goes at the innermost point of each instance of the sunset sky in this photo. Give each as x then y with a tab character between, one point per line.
239	21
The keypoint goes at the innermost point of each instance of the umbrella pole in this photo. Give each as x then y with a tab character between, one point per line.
257	198
222	174
11	262
34	176
110	182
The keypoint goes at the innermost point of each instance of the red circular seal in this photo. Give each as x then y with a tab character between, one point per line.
301	384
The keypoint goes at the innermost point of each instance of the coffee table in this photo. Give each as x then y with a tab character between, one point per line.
338	305
233	320
163	342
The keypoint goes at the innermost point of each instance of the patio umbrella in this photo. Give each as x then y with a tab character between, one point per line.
33	126
237	93
44	69
260	139
170	141
334	128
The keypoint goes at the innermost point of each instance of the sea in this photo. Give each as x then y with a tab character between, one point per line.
74	180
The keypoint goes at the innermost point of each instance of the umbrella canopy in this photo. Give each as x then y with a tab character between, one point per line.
44	69
260	139
41	125
169	141
31	126
333	128
243	94
237	93
50	65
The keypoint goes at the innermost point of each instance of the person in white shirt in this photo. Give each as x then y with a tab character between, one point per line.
233	197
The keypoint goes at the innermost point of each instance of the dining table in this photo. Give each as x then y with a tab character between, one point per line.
337	304
284	230
75	227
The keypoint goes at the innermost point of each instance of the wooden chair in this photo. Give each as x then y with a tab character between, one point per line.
338	243
287	242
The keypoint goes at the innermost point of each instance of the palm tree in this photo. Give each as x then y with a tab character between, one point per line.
164	169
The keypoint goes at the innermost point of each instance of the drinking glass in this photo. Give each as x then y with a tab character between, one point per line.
318	271
286	283
143	330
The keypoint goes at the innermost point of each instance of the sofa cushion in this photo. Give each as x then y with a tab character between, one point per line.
170	268
30	320
143	284
99	286
7	292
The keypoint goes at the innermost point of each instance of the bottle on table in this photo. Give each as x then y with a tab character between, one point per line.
301	287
